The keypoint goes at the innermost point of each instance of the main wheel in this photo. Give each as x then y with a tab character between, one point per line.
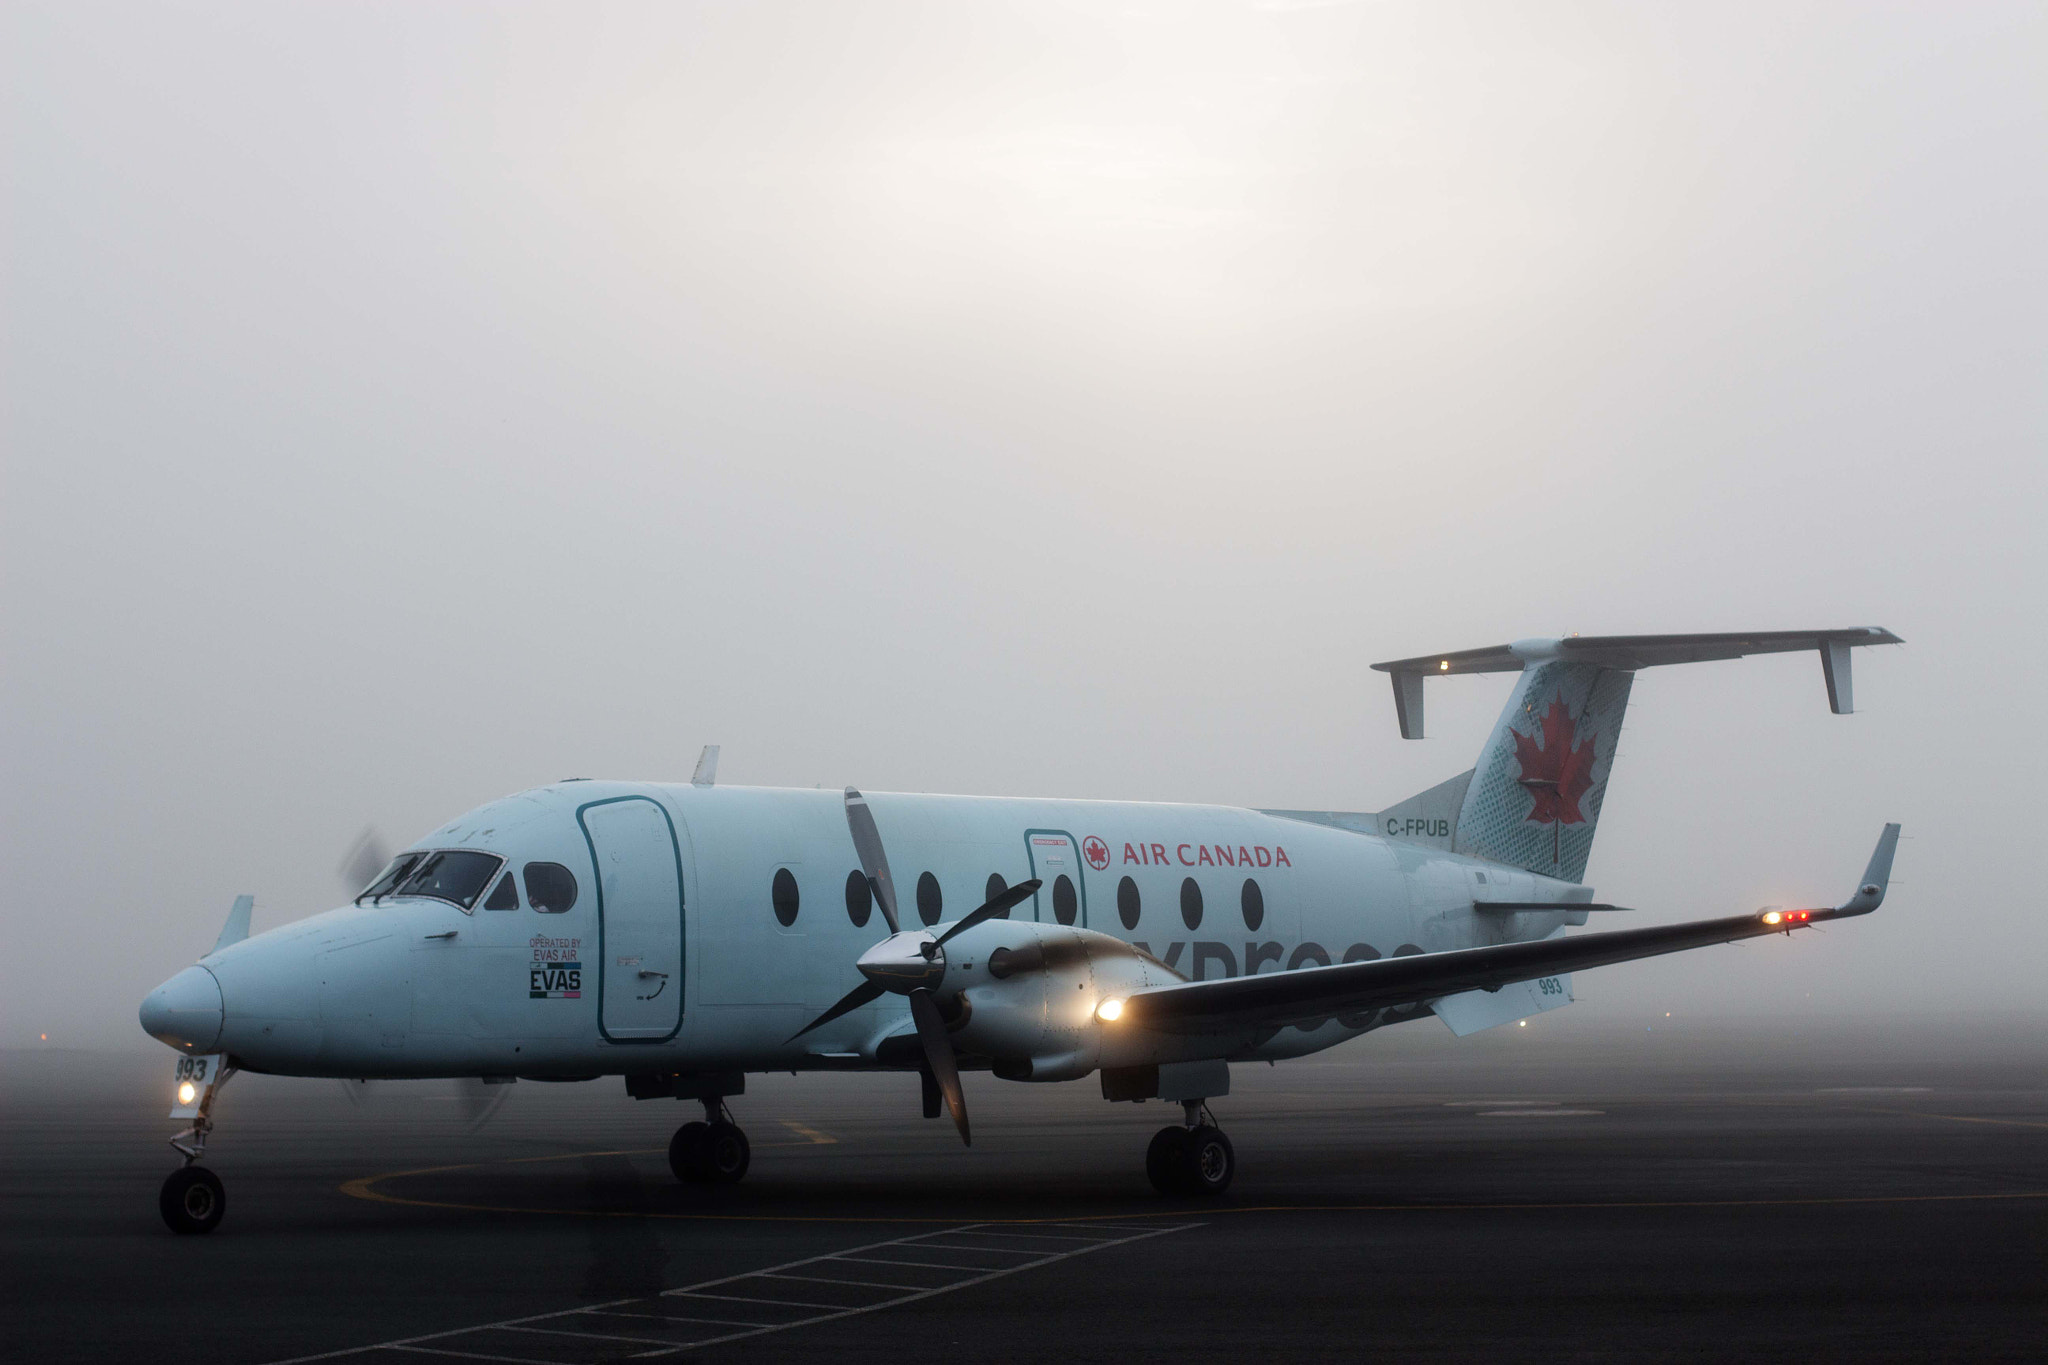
192	1200
1207	1162
726	1154
686	1152
1165	1160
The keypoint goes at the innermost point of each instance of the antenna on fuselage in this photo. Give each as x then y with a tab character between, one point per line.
707	767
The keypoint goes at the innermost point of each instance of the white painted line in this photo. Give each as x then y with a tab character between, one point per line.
668	1317
929	1265
927	1293
827	1279
1027	1236
821	1312
467	1355
749	1298
587	1336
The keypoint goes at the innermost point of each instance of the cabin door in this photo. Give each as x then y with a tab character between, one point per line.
639	867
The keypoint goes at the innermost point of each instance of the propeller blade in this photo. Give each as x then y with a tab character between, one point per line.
852	1000
1022	891
366	857
938	1054
867	842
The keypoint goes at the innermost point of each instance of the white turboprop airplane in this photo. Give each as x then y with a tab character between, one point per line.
684	935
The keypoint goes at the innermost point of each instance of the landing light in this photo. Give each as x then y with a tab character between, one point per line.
187	1093
1772	917
1443	666
1109	1011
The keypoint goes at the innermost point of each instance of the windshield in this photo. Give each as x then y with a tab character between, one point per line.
391	876
457	875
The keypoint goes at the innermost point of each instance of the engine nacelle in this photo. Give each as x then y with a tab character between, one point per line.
1032	993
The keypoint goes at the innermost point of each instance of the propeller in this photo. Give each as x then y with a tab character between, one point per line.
912	964
366	857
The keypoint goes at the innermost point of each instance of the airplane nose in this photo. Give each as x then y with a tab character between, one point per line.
184	1012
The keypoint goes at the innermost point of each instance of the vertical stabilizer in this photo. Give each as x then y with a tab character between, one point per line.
1535	796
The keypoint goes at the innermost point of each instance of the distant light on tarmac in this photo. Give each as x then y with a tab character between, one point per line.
187	1093
1521	1023
1109	1011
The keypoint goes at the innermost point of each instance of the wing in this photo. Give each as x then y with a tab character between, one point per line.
1284	997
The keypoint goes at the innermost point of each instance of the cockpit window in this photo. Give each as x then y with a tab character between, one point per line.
506	897
455	875
391	876
550	887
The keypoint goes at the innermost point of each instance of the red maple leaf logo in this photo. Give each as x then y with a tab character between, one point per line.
1558	773
1096	852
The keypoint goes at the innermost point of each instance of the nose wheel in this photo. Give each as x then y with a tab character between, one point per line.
1191	1158
714	1152
192	1200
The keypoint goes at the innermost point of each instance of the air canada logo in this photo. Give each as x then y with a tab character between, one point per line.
1096	852
1558	772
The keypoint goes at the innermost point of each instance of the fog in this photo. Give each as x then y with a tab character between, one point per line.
405	405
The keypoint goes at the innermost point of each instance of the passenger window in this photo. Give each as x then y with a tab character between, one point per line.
1190	903
505	897
996	887
1254	902
550	887
782	894
929	903
1063	902
860	899
1127	903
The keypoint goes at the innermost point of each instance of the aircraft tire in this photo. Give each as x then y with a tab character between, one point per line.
1207	1162
192	1200
1165	1160
686	1152
726	1154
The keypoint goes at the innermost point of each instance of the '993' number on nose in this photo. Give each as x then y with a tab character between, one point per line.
1550	985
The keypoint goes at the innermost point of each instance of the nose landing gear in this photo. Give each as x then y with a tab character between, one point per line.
714	1152
1194	1158
192	1199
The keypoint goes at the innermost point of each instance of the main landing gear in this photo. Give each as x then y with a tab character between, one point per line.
714	1152
1194	1158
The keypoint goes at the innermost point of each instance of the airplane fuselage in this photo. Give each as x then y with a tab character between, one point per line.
709	923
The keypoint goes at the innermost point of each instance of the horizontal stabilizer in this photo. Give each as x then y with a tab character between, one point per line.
1629	653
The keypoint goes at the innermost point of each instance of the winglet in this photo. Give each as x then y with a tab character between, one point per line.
1876	877
707	767
237	927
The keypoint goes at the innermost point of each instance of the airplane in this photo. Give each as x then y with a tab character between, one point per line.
683	935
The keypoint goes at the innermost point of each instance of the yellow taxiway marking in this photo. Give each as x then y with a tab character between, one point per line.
1958	1118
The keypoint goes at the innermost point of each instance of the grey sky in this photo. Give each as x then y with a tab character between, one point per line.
408	404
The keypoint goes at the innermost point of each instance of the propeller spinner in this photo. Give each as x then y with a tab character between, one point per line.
912	964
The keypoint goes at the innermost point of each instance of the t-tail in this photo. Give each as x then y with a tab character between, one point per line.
1533	799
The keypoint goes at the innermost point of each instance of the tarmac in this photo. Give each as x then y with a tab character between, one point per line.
1573	1190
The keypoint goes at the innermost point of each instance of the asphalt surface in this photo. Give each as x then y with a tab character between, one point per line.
1572	1191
